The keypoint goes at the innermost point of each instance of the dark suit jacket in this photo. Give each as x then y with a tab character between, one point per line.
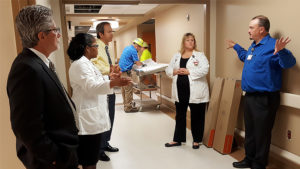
41	118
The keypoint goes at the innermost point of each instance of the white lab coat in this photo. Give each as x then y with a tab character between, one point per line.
198	68
90	89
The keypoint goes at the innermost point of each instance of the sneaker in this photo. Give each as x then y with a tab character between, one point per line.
132	110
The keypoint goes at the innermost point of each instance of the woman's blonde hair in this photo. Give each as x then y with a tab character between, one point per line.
185	36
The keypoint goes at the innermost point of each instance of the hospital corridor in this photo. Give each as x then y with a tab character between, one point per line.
149	84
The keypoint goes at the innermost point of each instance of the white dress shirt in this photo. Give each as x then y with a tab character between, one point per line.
90	89
41	56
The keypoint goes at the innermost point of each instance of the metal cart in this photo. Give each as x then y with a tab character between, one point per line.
147	77
143	85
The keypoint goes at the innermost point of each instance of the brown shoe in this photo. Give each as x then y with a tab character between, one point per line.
132	110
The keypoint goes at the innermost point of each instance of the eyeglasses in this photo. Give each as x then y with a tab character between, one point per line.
55	30
96	46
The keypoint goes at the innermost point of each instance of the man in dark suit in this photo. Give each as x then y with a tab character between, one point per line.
41	111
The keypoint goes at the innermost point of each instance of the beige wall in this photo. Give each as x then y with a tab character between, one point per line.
124	39
8	157
170	26
232	19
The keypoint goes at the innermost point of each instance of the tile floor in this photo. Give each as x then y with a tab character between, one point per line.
141	137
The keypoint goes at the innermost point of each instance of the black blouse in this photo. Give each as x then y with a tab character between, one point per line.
183	84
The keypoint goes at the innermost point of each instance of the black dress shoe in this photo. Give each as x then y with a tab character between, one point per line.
172	145
242	164
111	149
196	146
103	157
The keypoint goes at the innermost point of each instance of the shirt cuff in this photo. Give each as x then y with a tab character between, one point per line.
283	52
237	47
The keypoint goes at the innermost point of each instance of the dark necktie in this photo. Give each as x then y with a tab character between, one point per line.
108	56
52	68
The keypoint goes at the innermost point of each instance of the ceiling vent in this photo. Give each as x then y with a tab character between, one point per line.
150	21
87	8
81	29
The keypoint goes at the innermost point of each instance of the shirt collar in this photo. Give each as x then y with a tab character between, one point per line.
100	43
84	58
41	56
263	41
133	47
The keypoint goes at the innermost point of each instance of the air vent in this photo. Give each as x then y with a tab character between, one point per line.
81	29
150	21
87	8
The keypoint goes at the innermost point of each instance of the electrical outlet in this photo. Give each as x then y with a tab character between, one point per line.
289	134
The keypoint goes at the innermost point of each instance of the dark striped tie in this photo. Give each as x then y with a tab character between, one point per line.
108	56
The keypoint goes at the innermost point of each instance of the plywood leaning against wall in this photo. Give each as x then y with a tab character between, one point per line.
212	112
227	116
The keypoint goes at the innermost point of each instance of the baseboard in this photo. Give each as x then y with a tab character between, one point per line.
170	104
278	158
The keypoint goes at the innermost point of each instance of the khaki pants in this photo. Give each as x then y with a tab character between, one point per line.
127	93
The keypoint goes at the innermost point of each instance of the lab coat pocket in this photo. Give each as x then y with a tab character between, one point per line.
197	90
94	119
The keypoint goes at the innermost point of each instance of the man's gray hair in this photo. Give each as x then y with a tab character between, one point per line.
30	21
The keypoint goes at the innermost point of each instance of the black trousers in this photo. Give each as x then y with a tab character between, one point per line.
259	115
197	121
111	99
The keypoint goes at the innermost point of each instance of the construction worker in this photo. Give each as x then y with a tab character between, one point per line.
128	58
146	53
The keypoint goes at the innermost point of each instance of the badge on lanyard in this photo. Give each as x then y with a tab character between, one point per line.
249	57
195	61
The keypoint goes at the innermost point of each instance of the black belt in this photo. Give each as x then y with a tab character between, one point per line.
261	93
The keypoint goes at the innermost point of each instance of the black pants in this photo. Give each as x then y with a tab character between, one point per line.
260	112
88	149
111	99
197	121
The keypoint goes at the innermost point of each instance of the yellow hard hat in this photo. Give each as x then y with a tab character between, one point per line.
138	41
145	45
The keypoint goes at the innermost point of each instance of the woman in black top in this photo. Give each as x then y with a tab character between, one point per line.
188	70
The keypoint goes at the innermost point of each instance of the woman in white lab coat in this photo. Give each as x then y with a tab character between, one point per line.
90	89
188	69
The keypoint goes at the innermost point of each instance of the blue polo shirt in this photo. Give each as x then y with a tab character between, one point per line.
128	57
262	70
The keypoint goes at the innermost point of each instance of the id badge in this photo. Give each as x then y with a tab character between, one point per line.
196	62
249	57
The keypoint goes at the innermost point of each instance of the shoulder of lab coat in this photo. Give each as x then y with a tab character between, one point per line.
88	77
198	65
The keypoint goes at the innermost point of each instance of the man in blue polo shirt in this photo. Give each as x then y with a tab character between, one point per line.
128	58
261	80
